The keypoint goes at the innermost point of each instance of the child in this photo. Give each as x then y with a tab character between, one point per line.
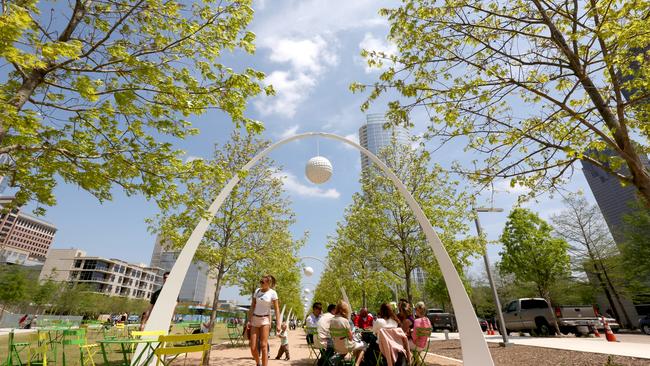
284	342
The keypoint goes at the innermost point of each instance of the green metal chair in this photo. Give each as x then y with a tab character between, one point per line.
314	346
235	334
14	349
77	337
339	359
420	353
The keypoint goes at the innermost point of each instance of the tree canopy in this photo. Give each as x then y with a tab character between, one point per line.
532	86
95	92
531	253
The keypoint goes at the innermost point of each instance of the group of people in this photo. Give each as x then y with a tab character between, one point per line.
391	318
338	316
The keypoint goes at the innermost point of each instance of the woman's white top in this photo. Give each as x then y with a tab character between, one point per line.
383	323
264	301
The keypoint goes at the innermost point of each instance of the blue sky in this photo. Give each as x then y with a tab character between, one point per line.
309	50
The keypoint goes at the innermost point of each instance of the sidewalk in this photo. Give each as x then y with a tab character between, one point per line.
226	355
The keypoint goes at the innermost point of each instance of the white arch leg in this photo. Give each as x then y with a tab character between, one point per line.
474	347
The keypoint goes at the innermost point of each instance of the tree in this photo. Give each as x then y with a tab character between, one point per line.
13	287
350	254
251	224
401	246
532	254
96	95
380	242
533	86
593	249
635	253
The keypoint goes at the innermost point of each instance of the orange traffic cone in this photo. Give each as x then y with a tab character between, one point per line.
490	330
495	329
596	333
608	333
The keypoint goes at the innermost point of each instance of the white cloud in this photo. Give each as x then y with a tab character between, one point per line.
304	55
191	158
291	131
308	17
503	185
307	59
372	43
293	185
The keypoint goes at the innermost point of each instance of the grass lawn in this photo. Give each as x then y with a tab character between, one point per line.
220	335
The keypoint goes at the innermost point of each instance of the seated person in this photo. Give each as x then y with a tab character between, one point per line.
386	318
344	345
363	320
421	321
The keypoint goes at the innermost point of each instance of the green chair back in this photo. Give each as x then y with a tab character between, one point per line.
339	332
74	337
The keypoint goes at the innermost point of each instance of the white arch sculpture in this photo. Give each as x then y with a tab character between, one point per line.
474	348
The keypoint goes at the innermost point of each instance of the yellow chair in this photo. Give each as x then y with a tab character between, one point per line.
172	346
37	349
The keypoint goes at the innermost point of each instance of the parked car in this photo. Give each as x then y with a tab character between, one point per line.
441	320
133	319
644	324
534	315
483	323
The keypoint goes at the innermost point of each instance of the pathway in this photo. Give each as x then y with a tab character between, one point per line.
226	355
632	348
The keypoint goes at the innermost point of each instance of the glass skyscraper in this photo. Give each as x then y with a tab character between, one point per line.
374	137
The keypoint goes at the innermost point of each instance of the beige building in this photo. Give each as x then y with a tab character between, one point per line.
112	277
24	232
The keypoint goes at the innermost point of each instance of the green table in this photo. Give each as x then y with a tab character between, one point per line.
126	346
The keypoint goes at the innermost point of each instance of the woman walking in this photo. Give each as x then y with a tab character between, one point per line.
259	319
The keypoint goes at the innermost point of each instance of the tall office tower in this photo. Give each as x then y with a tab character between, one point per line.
198	286
5	159
25	237
374	137
614	200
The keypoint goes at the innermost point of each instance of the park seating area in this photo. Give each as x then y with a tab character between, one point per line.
95	344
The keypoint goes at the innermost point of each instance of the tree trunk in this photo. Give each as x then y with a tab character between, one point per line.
409	295
628	323
363	298
213	314
605	289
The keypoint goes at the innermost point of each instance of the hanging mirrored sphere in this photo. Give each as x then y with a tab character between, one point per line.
307	290
318	170
308	271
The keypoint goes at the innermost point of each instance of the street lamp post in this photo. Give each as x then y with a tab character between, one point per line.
486	260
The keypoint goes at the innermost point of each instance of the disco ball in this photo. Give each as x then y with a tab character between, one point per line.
318	170
307	290
306	298
308	271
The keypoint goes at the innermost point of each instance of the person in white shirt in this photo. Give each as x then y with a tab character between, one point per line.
264	300
312	320
386	318
324	327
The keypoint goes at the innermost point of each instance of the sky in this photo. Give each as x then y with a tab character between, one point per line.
309	50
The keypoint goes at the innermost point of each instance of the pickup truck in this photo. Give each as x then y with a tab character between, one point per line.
441	320
535	315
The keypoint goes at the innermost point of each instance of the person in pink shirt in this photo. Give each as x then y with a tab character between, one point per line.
421	321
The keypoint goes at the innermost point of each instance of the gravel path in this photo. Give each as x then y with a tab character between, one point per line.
538	356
